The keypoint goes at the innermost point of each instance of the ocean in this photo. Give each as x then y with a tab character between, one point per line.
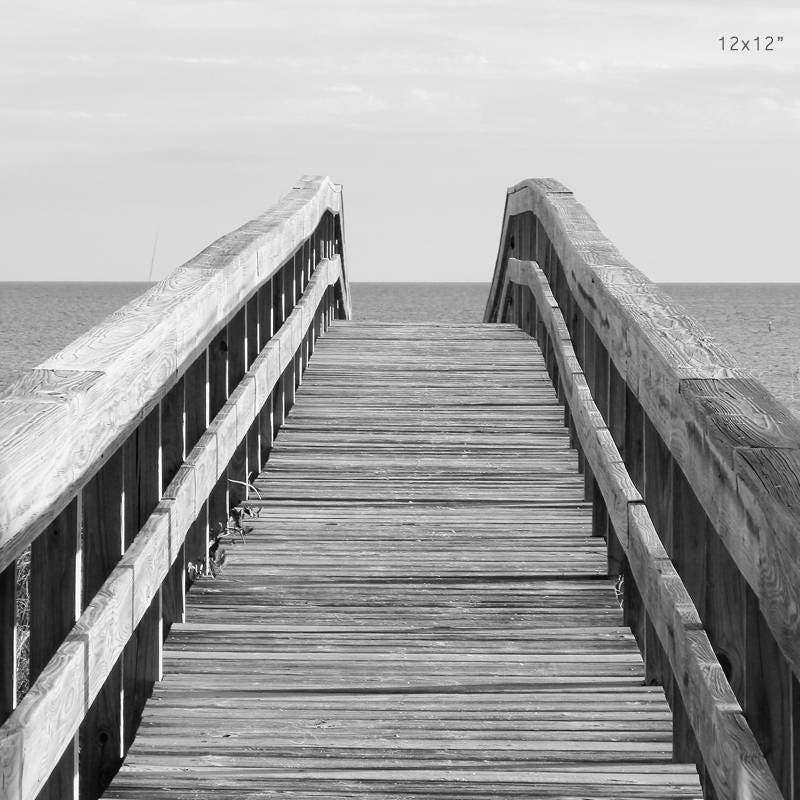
758	323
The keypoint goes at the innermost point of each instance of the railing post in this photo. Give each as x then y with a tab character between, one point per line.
101	731
252	325
8	640
634	461
172	455
218	394
237	356
142	656
54	597
288	380
217	373
196	398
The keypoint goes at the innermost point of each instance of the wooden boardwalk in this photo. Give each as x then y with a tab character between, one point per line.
420	609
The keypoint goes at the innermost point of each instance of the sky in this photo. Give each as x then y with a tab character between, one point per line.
162	124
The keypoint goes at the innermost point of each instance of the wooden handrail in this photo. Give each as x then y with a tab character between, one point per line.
734	760
39	730
738	447
61	421
715	458
153	420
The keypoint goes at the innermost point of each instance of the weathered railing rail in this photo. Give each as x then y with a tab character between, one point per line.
715	460
119	459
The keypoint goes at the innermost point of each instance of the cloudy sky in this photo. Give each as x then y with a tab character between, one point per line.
124	120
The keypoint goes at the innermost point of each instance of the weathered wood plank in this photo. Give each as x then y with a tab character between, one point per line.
103	545
368	627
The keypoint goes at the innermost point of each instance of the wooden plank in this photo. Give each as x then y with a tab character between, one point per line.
103	534
172	455
369	635
252	329
53	599
236	346
8	641
142	655
217	373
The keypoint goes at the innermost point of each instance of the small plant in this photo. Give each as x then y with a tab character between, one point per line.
619	590
251	511
232	530
22	619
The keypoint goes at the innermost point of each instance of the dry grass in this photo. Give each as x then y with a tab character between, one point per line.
23	622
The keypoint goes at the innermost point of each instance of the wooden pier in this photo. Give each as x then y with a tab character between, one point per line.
274	553
420	608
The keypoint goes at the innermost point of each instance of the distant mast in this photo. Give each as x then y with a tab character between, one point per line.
153	258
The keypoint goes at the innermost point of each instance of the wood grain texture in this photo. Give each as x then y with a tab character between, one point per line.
420	609
727	744
100	732
53	598
8	641
701	402
90	396
130	595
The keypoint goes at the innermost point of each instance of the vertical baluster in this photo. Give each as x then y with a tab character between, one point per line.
217	373
318	322
54	596
236	472
267	428
237	475
770	688
600	387
237	333
590	353
690	532
634	461
8	641
297	273
301	265
218	394
172	455
278	401
277	301
288	379
616	407
265	421
264	315
142	656
304	350
253	452
196	401
217	512
103	545
253	321
658	498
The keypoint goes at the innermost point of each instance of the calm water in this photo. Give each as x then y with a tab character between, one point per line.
759	323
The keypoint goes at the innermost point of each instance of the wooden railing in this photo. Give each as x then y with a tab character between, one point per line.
121	461
693	471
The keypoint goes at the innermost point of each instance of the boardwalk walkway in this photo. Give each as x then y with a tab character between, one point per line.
420	610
